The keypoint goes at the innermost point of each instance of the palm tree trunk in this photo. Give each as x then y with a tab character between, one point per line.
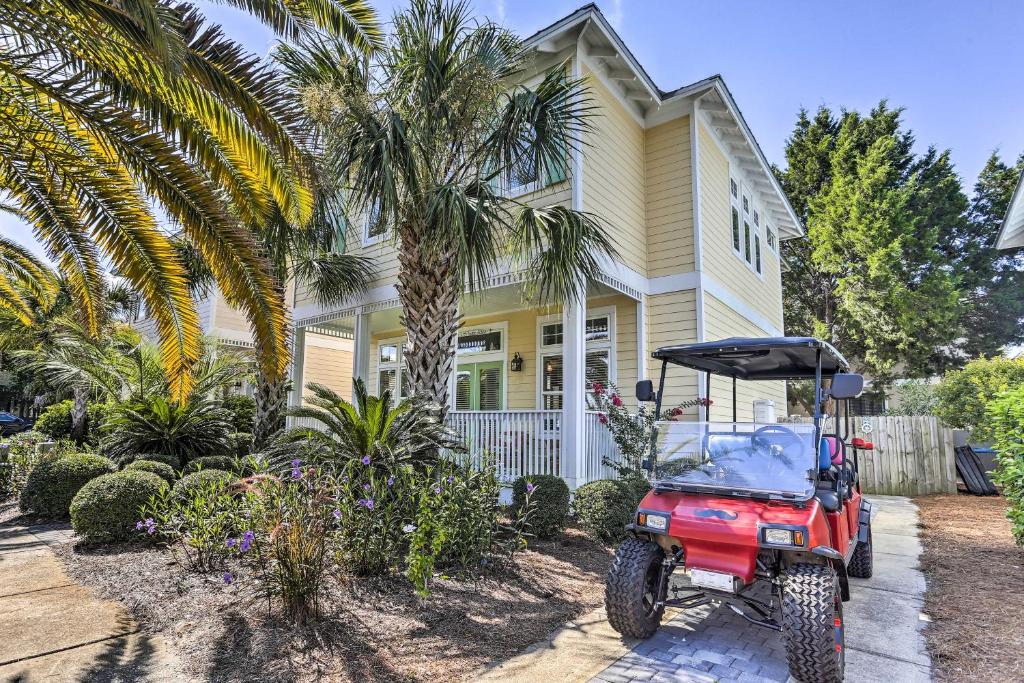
79	412
271	398
429	291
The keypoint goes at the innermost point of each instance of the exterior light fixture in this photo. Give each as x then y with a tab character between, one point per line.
516	362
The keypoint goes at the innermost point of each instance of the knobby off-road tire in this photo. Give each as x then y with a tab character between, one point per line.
862	563
812	624
632	589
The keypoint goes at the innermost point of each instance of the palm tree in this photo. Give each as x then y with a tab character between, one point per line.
421	133
112	107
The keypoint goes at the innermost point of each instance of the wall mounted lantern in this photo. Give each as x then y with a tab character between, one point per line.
516	362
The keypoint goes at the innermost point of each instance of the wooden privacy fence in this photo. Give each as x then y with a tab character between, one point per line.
913	456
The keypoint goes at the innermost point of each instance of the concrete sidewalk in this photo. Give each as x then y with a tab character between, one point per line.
711	643
52	629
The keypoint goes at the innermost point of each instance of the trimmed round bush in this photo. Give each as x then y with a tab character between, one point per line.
160	469
107	508
55	420
603	508
550	499
190	483
170	460
211	462
52	484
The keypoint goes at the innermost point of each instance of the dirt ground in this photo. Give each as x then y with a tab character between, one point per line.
372	630
975	594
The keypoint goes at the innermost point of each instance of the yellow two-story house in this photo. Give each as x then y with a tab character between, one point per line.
698	219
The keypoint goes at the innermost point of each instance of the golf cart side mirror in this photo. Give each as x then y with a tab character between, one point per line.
846	385
645	391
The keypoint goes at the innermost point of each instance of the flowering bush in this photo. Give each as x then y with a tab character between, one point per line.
631	433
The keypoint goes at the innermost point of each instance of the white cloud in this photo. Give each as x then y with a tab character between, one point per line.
499	8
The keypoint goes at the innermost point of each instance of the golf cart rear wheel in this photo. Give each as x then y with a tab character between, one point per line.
862	562
634	592
812	624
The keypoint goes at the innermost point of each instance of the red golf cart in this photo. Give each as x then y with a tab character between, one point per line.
767	518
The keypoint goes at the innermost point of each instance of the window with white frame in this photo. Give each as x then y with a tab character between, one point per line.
745	225
599	356
480	368
391	372
769	237
374	229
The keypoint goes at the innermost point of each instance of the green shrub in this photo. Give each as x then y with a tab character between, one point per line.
190	483
240	444
108	507
52	484
243	413
55	420
550	496
211	462
1006	424
171	461
160	469
603	508
963	395
189	430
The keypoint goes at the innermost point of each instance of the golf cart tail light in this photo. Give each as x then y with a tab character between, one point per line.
778	537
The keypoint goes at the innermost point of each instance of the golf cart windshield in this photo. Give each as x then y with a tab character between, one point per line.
740	458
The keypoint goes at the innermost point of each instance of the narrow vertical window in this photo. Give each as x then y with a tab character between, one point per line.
746	241
735	229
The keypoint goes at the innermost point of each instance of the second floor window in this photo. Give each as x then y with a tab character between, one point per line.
745	226
374	228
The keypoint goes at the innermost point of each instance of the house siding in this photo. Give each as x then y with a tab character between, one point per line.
328	361
720	322
762	295
672	319
613	174
669	181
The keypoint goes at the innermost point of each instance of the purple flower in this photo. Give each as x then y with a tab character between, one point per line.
369	503
530	487
296	472
227	577
366	487
247	538
345	479
138	525
366	460
437	489
361	502
391	481
150	526
451	479
232	542
337	514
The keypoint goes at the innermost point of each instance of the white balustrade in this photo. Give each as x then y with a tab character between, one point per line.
600	449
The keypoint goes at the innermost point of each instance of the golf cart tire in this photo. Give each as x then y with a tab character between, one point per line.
862	563
808	623
627	583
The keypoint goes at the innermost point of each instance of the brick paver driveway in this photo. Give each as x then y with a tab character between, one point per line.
883	638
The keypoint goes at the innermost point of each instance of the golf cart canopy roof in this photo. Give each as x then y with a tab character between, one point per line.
758	358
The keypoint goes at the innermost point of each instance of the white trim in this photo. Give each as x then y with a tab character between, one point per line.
725	295
641	338
598	72
398	365
1011	232
695	203
577	153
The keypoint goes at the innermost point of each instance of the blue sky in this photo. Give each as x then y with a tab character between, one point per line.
954	66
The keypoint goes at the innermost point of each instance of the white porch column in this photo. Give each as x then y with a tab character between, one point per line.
298	367
361	350
574	443
641	338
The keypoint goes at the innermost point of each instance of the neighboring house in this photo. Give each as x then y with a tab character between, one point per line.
1011	235
327	353
698	218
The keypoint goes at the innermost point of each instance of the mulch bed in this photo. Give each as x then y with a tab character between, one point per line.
975	595
371	630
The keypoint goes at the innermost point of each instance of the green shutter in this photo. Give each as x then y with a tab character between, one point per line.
554	169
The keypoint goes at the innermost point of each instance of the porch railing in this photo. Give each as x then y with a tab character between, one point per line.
521	442
524	442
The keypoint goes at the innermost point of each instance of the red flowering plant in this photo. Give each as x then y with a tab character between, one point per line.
631	432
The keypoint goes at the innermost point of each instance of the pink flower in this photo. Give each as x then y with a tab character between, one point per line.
598	388
616	401
602	418
676	412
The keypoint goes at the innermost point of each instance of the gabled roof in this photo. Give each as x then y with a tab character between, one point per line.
1011	235
710	94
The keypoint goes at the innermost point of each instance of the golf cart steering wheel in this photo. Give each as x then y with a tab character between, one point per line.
789	438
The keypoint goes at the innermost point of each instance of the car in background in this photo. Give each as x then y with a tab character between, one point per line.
12	424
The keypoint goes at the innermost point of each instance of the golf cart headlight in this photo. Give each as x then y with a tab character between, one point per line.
652	521
783	537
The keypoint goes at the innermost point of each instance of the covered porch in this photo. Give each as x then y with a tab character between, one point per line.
518	393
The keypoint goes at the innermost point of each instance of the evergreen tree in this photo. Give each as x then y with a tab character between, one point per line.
869	277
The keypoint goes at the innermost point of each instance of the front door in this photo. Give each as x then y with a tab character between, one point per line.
480	386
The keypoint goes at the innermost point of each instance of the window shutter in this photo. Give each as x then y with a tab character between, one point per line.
597	367
555	168
490	388
463	390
